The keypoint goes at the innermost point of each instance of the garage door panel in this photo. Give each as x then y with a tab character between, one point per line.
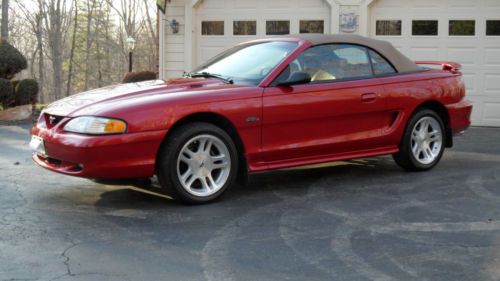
278	4
460	4
312	4
208	52
245	4
492	3
492	57
389	4
424	53
470	82
477	109
491	113
467	56
492	83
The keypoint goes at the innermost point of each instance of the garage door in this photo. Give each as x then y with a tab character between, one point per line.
465	31
221	24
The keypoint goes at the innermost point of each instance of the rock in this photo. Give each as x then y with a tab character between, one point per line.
17	113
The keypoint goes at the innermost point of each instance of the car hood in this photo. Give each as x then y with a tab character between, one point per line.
71	105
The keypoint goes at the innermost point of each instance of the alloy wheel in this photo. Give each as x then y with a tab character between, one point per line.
426	140
203	165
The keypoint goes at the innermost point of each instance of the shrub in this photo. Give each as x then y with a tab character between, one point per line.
11	61
6	92
139	76
26	92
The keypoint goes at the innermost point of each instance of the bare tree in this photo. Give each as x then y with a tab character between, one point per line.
72	51
35	21
54	38
56	20
91	6
129	13
4	36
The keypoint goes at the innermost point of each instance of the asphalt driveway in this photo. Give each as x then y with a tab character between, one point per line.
358	220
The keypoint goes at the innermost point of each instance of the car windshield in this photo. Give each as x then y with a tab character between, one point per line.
247	64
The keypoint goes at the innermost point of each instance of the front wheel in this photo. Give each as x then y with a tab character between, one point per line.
423	142
197	163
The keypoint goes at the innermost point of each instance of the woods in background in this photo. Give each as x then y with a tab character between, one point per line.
73	46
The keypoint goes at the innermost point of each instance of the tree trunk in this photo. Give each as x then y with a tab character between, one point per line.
54	21
4	35
41	70
107	48
90	12
72	52
98	49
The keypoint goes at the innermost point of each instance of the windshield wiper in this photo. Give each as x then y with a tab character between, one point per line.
209	75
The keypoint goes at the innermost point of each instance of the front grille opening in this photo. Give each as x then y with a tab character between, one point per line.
52	120
59	164
52	161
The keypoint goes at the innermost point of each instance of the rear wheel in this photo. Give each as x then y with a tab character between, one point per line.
423	142
197	163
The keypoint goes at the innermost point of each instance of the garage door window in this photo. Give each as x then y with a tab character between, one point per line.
312	26
388	28
212	28
493	27
244	28
277	27
462	28
424	28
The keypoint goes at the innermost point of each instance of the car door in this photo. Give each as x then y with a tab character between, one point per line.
341	111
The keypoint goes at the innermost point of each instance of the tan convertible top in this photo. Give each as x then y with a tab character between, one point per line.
398	60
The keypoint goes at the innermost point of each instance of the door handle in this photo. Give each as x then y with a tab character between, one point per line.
368	97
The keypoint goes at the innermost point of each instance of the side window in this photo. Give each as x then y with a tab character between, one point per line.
380	65
355	61
339	61
331	62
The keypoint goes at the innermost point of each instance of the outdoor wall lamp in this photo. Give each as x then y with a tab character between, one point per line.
174	25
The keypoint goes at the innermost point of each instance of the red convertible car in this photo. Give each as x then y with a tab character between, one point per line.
262	105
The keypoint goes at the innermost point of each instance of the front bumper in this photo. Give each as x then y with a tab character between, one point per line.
123	156
460	114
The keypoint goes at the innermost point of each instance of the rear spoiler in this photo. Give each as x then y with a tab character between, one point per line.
453	67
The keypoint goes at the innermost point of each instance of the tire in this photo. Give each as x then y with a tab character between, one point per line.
423	142
197	163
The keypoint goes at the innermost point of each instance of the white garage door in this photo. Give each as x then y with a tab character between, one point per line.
221	24
465	31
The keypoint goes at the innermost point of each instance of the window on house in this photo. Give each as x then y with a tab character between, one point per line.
212	28
493	27
462	28
312	26
380	65
388	28
277	27
424	27
244	27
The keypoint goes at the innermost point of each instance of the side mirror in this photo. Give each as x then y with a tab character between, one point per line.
296	78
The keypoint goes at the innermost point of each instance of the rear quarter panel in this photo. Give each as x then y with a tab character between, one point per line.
405	92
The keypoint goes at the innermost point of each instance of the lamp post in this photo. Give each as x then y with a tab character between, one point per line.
130	46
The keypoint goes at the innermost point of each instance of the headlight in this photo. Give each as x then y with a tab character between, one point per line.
95	125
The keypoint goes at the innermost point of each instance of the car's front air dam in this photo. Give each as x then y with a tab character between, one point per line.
123	156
